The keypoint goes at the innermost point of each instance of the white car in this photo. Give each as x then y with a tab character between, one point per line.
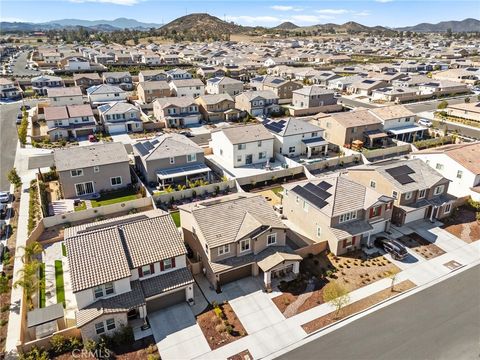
425	122
4	197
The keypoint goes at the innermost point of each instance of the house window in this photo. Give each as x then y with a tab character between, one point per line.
297	199
394	194
291	149
348	216
375	211
109	288
319	231
259	143
76	172
459	174
99	328
98	292
146	270
272	239
84	188
314	134
96	169
191	157
241	146
225	249
373	184
115	181
167	264
439	190
408	195
110	324
244	245
439	166
172	160
421	193
305	206
239	158
448	207
262	155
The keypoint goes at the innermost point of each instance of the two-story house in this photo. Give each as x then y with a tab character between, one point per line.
177	111
187	87
170	159
85	81
224	85
71	121
242	145
178	74
459	163
312	100
148	91
152	75
42	83
86	170
257	103
219	107
294	137
122	79
279	86
65	96
236	236
101	94
336	211
125	268
420	192
120	117
8	90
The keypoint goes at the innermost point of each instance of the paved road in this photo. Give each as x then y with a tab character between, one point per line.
465	131
441	322
356	103
432	105
19	67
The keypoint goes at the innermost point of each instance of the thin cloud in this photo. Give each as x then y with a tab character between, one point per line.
311	18
258	20
115	2
285	8
383	1
333	11
362	13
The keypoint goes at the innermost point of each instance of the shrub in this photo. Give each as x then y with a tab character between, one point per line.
219	312
123	336
220	328
59	344
151	349
90	345
3	322
35	354
153	356
229	329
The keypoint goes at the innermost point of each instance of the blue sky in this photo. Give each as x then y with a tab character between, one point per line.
260	12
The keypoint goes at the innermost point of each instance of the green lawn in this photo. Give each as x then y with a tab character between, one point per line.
277	190
41	286
115	197
64	249
59	282
176	218
81	206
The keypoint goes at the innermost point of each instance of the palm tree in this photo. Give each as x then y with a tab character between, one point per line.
30	251
28	280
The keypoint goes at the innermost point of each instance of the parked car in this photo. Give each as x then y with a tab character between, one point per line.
27	107
393	247
425	122
92	138
4	197
187	134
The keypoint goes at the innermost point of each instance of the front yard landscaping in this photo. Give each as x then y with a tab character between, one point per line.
114	197
356	307
421	246
59	282
464	224
351	271
220	326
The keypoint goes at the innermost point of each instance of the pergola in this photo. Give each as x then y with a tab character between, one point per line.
184	171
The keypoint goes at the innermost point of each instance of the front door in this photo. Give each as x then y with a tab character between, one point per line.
248	159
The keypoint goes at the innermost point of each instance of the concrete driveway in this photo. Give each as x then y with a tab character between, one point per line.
177	333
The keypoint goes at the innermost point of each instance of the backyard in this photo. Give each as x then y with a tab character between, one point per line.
114	197
463	224
421	246
352	271
176	218
59	282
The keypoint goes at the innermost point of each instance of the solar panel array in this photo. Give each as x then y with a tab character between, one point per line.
315	194
401	174
275	126
277	81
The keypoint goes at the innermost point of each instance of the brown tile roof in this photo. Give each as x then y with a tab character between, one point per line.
355	118
64	91
240	134
79	110
56	113
392	112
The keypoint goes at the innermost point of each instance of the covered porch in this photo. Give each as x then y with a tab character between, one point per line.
278	266
182	175
316	146
376	138
410	133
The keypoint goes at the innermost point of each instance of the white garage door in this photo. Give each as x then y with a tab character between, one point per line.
116	129
378	227
415	215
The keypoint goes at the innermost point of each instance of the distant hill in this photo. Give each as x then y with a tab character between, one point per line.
467	25
348	27
287	25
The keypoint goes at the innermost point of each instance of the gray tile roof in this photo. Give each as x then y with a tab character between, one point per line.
352	228
166	146
295	126
41	316
170	281
92	155
240	134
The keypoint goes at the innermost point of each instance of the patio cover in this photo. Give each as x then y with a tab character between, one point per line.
275	259
318	141
375	134
182	171
407	129
44	315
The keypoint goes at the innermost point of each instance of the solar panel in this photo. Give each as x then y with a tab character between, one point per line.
282	122
324	185
368	81
399	170
307	195
277	81
322	194
148	145
154	142
404	179
141	149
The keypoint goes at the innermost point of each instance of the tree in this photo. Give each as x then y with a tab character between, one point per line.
336	295
442	105
467	100
392	274
28	280
30	251
4	284
14	178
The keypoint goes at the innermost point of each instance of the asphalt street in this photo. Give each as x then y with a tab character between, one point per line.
18	67
440	322
432	105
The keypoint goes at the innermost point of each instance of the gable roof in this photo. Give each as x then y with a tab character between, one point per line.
166	146
290	126
182	101
355	118
104	89
240	134
61	91
391	112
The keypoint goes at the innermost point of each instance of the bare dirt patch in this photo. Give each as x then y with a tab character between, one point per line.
356	307
243	355
421	246
463	224
222	329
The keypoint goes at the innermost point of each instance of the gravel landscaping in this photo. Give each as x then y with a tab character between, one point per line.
421	246
463	224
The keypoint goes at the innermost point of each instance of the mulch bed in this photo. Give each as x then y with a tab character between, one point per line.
463	225
209	322
421	246
356	307
244	355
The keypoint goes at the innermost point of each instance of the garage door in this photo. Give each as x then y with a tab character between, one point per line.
415	215
378	227
235	274
116	129
84	132
165	301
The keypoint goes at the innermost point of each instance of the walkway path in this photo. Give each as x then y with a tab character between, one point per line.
293	307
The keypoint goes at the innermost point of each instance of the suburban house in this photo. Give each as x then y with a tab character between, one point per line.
152	75
125	268
178	74
101	94
8	90
344	128
177	111
85	81
219	107
187	87
337	211
236	236
468	111
170	159
86	170
442	87
120	117
257	103
295	137
224	85
279	86
148	91
121	79
365	86
459	163
312	100
242	145
65	96
42	83
71	121
420	192
399	123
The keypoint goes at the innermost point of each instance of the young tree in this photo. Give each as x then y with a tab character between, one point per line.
30	251
3	284
467	100
442	105
14	178
28	280
336	295
392	274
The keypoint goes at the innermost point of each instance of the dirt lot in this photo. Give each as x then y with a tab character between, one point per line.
357	307
463	225
421	246
271	197
215	329
244	355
